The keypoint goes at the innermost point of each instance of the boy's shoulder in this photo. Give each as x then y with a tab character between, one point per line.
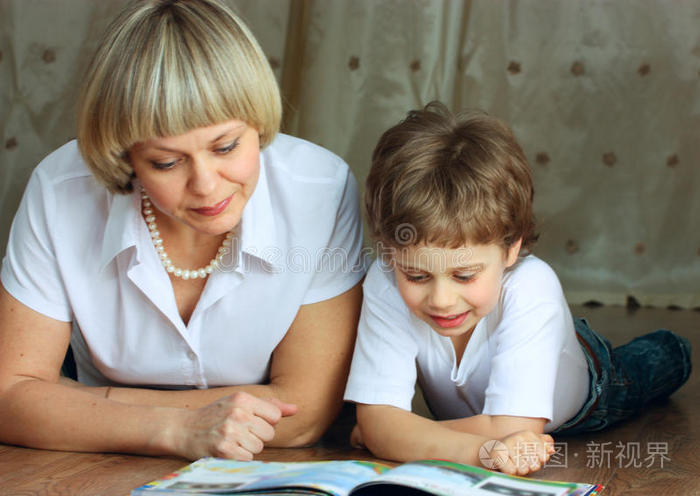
380	277
380	283
530	278
384	307
531	265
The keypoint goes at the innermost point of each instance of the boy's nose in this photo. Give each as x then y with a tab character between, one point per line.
441	296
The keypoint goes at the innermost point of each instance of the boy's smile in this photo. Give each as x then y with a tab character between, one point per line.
449	321
452	289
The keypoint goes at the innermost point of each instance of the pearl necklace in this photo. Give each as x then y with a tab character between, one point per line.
214	263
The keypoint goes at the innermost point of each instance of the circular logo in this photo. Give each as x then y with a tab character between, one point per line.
405	234
491	453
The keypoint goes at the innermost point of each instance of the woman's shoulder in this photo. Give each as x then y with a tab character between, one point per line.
303	161
304	179
60	177
64	163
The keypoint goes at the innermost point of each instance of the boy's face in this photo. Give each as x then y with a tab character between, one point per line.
452	289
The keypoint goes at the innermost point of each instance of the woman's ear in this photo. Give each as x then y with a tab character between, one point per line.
513	251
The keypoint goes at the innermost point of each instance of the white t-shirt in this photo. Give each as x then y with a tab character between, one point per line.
523	358
79	253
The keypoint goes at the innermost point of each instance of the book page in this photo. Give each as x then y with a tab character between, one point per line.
218	476
451	479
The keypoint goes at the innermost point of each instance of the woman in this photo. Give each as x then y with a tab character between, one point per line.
209	267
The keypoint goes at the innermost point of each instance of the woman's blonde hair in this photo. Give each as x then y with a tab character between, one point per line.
448	180
165	67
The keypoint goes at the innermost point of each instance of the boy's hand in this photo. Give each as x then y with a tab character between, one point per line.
519	453
236	426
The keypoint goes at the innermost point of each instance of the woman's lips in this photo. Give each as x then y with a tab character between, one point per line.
449	321
214	210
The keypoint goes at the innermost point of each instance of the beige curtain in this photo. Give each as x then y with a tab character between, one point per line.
604	96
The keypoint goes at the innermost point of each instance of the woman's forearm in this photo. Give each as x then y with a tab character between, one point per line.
41	414
303	427
47	415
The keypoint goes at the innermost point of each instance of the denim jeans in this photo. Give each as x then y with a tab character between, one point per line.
624	379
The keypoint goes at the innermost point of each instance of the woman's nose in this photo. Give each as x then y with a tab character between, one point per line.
203	176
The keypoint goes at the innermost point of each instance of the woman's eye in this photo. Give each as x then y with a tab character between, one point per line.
163	165
228	148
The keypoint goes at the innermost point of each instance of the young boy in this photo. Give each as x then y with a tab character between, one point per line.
456	301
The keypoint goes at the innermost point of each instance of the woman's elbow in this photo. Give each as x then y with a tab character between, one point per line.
303	439
305	430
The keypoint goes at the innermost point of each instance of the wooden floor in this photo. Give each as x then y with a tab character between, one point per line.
655	453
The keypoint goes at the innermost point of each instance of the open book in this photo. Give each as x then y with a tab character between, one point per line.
351	478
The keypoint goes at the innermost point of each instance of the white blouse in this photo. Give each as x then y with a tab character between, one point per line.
79	253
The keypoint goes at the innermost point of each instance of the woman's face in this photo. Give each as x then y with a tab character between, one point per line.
201	179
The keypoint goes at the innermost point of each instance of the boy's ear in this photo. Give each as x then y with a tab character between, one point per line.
513	252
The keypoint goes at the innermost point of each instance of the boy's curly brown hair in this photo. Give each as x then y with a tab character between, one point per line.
449	180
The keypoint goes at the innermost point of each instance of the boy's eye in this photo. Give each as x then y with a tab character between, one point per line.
464	277
228	148
416	277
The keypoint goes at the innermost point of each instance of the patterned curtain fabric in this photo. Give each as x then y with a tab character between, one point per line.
603	96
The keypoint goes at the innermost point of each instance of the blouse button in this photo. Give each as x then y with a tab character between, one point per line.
191	355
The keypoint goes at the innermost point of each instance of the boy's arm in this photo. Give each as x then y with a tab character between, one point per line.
395	434
496	426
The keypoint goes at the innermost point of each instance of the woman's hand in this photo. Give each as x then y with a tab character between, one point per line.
519	453
236	427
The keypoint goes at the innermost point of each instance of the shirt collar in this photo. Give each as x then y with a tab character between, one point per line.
258	232
121	227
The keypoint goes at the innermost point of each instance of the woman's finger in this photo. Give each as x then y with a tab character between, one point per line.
234	451
248	441
261	429
264	409
287	409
